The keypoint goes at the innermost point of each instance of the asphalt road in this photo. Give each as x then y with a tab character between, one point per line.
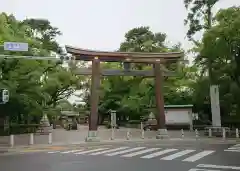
141	156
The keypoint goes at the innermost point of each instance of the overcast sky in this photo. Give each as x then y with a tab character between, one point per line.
101	24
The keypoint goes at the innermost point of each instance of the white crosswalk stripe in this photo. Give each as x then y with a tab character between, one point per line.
235	148
71	151
218	166
52	152
196	169
140	152
176	155
198	156
91	151
125	151
186	155
109	151
159	153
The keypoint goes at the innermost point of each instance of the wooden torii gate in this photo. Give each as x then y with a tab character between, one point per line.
127	58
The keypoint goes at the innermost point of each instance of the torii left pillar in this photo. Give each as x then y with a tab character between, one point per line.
160	112
95	83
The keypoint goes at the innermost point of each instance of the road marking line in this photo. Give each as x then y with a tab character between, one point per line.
198	156
202	170
90	151
52	152
176	155
30	151
109	151
72	151
218	166
140	152
125	151
237	145
234	148
158	153
238	150
56	148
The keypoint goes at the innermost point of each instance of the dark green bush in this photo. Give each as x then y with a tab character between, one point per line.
134	122
19	129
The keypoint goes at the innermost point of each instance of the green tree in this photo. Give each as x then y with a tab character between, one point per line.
43	31
199	15
135	96
221	42
35	85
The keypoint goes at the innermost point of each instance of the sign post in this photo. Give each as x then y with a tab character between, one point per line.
16	46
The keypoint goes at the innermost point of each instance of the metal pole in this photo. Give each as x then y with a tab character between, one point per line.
30	57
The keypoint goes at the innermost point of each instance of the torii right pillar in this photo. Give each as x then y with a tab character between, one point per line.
160	112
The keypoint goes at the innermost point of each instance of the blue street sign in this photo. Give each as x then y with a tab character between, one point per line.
16	46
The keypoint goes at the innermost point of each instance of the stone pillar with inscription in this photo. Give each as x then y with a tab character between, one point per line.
160	112
215	106
94	99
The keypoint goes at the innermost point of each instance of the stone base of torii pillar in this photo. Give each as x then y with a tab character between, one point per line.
162	134
92	137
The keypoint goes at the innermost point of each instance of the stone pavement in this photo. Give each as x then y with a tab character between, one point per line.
61	136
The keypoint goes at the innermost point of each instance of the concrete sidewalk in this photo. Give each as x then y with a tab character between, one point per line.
63	137
68	137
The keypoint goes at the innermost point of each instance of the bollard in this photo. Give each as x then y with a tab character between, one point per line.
142	135
209	132
128	134
50	138
11	140
237	133
182	133
223	133
112	135
196	132
31	140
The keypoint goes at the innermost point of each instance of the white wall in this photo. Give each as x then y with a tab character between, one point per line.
178	116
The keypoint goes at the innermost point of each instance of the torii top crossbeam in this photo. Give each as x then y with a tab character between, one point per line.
88	55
